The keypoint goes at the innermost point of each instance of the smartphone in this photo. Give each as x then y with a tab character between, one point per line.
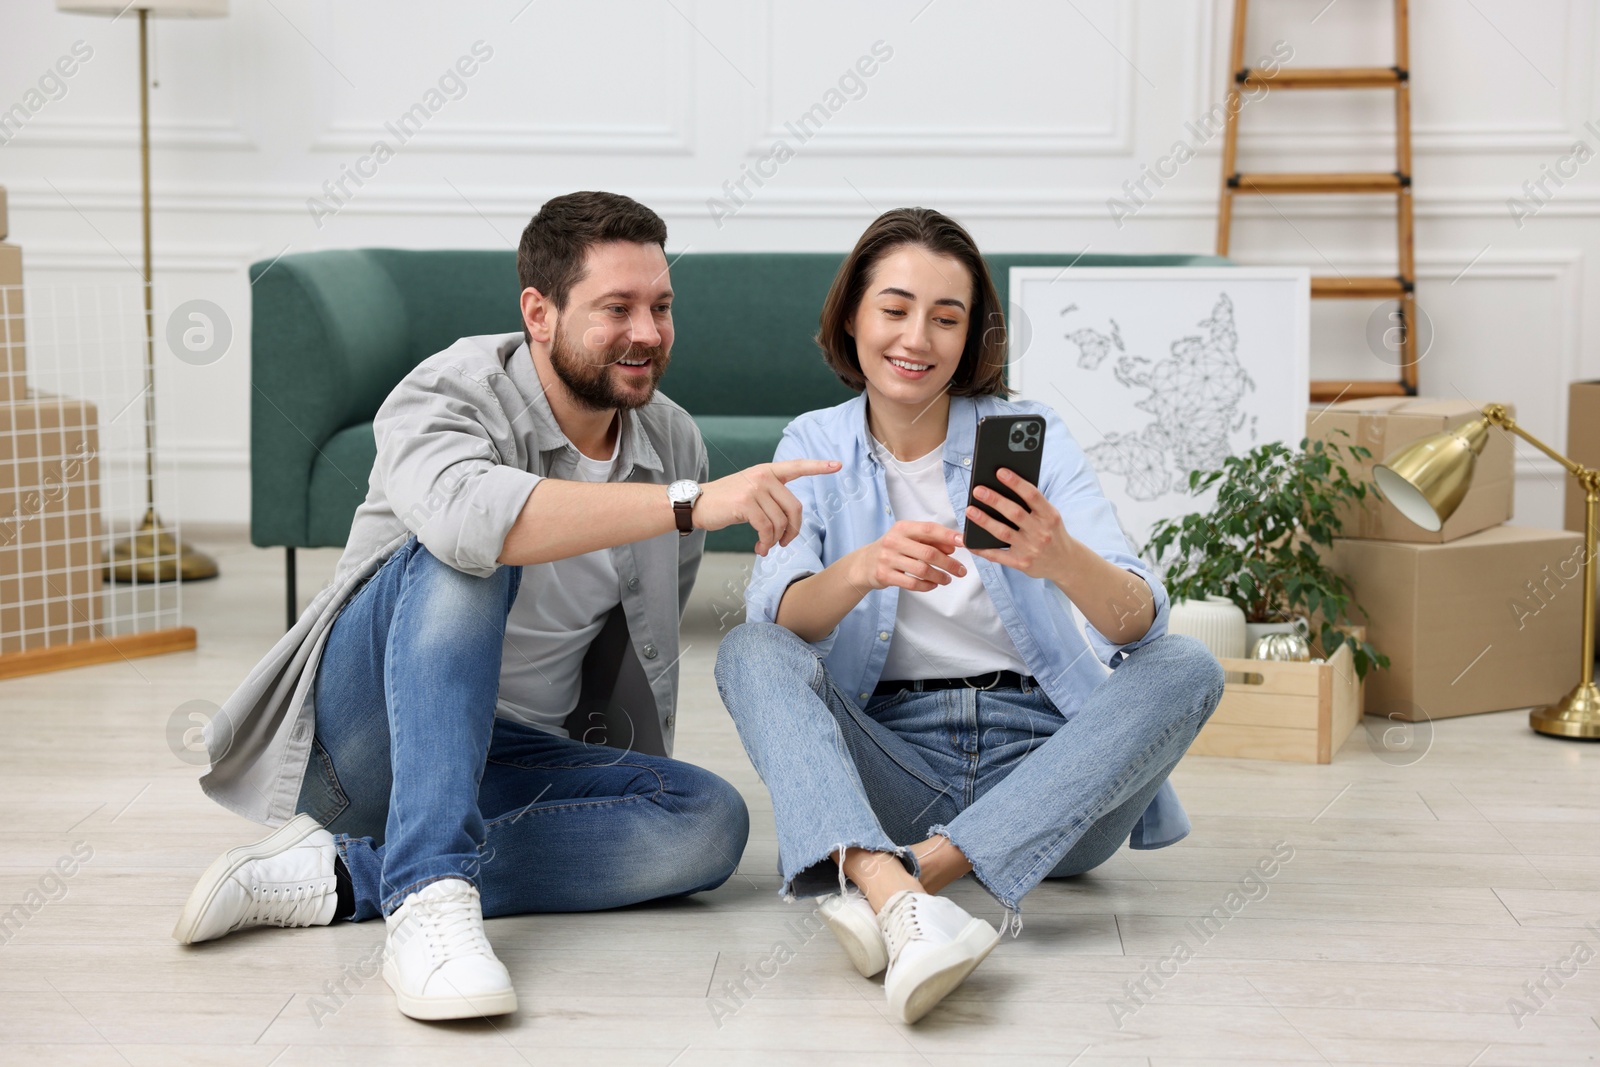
1015	442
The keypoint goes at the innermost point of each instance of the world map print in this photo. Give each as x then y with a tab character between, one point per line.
1158	371
1194	397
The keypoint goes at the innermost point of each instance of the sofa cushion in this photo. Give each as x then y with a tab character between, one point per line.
744	327
339	483
453	293
328	343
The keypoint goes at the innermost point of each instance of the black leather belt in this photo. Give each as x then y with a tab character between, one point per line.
993	680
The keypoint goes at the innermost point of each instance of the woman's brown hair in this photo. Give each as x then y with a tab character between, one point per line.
982	371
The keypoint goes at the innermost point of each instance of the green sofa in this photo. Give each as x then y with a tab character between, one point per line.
334	331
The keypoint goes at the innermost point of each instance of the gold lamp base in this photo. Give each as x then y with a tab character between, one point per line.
1575	715
153	555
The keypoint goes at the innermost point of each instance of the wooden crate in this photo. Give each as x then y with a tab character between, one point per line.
1298	712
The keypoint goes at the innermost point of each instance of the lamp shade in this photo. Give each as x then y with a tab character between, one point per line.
184	9
1427	479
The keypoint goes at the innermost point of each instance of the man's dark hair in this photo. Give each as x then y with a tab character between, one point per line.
550	257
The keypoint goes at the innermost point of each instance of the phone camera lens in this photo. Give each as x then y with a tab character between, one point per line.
1031	444
1016	435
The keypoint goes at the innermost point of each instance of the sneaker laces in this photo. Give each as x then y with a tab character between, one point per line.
286	905
900	923
454	924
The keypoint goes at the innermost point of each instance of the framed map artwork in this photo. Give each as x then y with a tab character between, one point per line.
1158	371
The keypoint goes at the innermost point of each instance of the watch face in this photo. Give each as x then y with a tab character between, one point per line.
683	492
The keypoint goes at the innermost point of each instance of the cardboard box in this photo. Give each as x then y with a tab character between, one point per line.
49	523
12	385
1487	622
1385	424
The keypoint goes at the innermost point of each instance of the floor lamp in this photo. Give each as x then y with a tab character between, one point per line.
1427	480
151	554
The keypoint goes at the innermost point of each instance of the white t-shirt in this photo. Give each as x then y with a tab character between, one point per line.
951	631
560	608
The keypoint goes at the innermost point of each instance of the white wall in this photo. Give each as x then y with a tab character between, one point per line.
1020	118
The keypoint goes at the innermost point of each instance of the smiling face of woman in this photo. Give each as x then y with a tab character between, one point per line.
910	327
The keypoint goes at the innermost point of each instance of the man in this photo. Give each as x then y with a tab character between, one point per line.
409	732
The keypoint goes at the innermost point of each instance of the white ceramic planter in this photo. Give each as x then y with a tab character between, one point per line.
1215	622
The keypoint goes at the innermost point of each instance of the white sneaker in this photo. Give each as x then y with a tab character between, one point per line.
285	879
933	946
854	923
437	959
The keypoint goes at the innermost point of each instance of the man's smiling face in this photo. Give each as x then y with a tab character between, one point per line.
613	339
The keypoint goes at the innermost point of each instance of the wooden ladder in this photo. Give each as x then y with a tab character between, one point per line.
1400	287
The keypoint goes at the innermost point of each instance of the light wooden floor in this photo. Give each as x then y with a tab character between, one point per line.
1419	900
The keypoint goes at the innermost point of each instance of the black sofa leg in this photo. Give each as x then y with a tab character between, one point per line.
294	599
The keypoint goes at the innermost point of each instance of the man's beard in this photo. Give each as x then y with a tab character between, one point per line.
587	375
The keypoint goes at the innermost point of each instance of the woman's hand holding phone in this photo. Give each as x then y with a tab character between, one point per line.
912	555
1040	546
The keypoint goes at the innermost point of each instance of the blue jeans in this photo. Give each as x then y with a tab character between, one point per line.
1023	792
420	781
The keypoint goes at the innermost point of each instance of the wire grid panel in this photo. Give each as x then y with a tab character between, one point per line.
74	439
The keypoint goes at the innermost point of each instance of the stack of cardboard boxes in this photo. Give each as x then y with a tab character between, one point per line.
49	493
1477	616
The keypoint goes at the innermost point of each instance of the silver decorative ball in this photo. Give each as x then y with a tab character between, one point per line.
1289	647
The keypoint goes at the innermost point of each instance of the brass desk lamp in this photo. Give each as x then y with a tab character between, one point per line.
1426	481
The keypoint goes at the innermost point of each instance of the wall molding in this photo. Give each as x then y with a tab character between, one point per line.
184	259
216	135
1064	140
518	139
172	458
675	137
1551	135
411	201
1435	140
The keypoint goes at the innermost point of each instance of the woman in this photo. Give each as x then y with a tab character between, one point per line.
920	711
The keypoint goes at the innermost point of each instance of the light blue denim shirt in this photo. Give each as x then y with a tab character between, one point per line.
846	510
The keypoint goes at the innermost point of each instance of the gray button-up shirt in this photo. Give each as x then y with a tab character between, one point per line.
462	441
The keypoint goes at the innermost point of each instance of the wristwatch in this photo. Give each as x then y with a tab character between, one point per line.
683	494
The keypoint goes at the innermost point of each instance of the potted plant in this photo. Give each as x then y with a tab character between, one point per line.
1260	545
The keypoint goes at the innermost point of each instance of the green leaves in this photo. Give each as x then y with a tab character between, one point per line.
1258	545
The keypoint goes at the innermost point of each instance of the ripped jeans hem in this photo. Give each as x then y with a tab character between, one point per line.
1012	919
901	852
